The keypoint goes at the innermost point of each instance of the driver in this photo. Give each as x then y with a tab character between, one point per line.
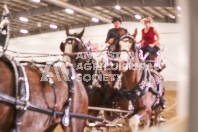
113	36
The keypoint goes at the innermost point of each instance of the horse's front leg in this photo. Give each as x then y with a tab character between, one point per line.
134	121
142	115
157	116
147	124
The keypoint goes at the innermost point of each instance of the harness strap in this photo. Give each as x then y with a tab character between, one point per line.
65	119
21	92
160	101
11	100
138	91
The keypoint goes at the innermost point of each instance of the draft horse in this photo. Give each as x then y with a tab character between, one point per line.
42	95
101	93
143	86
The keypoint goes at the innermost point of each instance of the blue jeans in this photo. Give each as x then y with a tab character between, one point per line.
150	50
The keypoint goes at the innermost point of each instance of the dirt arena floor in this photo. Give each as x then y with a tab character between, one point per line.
168	114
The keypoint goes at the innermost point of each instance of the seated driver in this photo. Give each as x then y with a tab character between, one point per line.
148	42
113	36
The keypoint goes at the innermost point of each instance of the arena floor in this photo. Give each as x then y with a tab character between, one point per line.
168	114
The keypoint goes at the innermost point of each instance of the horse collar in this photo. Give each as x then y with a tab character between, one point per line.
138	91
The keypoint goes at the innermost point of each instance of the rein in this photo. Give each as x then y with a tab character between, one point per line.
11	100
38	55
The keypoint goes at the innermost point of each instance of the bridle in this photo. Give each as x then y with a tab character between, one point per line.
71	38
126	38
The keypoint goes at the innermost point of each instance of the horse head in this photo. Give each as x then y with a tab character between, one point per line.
73	43
127	49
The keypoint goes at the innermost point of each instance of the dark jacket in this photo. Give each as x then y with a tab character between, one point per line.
115	33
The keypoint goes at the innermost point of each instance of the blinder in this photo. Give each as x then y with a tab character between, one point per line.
70	40
126	38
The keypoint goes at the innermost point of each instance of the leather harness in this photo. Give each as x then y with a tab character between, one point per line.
21	99
144	85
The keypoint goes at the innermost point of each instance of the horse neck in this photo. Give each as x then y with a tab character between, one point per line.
132	78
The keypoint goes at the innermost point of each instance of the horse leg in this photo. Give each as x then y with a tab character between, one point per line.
134	121
147	124
157	116
142	115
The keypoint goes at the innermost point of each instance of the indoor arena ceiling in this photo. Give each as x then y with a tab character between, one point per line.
42	14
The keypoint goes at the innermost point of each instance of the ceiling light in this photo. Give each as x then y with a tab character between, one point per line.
117	7
69	11
23	31
179	8
23	19
53	26
36	1
95	20
138	17
171	16
38	24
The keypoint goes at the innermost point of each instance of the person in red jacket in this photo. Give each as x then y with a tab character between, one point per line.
148	42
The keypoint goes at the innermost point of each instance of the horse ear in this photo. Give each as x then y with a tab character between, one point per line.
135	33
67	31
81	33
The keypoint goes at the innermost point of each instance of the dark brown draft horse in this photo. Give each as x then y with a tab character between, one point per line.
143	86
41	94
102	92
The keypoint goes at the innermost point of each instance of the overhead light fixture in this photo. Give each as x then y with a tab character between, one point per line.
138	17
36	1
24	31
171	16
53	26
95	20
69	11
23	19
179	8
39	24
117	7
